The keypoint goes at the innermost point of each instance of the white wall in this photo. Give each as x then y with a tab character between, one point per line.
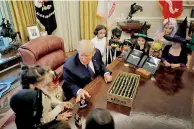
151	13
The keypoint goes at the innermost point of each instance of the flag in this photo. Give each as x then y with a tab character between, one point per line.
171	8
105	10
45	14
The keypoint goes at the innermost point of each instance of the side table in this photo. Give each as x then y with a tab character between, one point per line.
9	62
131	27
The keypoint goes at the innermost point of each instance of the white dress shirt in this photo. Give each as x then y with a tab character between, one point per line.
92	67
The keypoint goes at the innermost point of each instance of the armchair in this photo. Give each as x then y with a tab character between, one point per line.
46	51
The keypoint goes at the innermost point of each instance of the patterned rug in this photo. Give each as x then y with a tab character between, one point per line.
141	120
5	110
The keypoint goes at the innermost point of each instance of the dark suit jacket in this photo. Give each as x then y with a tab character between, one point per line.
76	75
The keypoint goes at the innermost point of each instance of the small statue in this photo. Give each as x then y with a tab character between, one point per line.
134	8
3	23
7	31
11	33
8	25
3	27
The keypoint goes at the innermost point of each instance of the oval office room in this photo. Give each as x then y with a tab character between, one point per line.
97	64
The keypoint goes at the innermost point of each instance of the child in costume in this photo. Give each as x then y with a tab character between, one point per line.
100	119
37	78
191	28
27	107
127	44
115	46
54	89
156	49
175	55
191	46
99	40
142	40
169	28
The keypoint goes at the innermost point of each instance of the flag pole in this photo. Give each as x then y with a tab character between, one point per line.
107	43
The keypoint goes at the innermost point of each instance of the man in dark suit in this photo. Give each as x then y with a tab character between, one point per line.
81	68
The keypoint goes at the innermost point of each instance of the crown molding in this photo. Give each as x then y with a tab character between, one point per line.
119	19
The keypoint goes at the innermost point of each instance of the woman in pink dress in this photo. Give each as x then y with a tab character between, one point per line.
169	28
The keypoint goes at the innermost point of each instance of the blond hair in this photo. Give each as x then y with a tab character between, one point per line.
86	46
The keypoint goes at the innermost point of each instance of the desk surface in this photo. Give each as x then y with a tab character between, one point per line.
149	99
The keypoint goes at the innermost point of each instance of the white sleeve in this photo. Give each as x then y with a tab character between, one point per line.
50	116
49	112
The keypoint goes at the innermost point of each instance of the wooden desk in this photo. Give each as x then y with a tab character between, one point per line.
98	90
149	99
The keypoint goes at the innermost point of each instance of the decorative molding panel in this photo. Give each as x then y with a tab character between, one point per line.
150	18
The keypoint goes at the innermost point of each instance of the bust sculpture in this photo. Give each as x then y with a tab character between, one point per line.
134	8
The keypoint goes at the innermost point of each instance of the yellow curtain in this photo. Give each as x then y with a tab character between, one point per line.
23	14
88	18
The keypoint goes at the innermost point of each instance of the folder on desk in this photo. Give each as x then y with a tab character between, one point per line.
134	57
151	64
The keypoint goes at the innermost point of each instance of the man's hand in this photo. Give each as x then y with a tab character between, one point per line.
64	116
175	66
68	105
82	94
167	64
107	77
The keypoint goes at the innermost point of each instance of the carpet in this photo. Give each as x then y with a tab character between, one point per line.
5	110
152	99
140	120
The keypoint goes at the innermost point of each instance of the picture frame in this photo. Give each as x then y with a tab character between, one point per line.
33	32
43	33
